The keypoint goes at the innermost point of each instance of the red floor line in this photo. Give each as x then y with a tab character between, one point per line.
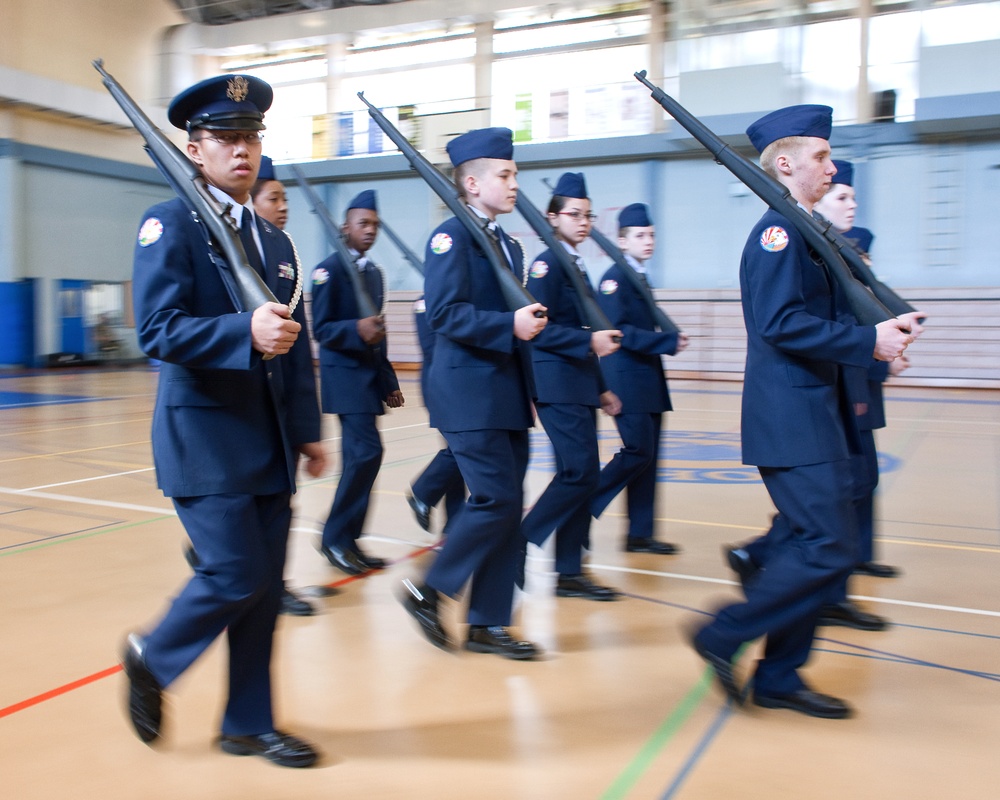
105	673
69	687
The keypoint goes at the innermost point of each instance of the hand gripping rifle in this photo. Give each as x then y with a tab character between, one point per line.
186	179
830	247
514	294
590	312
366	307
405	251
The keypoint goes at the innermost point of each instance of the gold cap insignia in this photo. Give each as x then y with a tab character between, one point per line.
238	89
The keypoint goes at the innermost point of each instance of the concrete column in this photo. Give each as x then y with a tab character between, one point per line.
336	56
657	38
864	102
484	64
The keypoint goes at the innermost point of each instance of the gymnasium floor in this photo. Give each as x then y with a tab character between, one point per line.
619	708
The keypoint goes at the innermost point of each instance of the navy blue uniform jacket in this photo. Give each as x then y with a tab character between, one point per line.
635	371
475	347
222	412
354	377
566	369
795	407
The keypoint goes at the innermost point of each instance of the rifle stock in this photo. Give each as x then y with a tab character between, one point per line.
663	322
595	319
514	293
187	181
366	307
865	306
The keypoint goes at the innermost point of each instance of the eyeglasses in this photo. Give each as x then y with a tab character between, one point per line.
576	216
230	139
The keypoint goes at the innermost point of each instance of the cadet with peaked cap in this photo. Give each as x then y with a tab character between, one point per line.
570	388
357	382
228	427
796	427
480	389
635	373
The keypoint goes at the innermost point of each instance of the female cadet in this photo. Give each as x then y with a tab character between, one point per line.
570	387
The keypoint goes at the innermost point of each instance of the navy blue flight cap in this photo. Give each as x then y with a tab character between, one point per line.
845	172
266	172
365	199
804	120
482	143
635	215
571	184
223	103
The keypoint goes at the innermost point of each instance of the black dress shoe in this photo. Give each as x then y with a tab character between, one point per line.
422	605
282	749
497	639
876	570
582	586
421	511
373	562
806	701
723	671
295	606
345	560
145	697
651	546
739	561
850	616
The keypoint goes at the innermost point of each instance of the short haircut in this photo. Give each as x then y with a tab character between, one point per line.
789	145
473	166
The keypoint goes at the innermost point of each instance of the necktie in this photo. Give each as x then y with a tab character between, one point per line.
249	245
583	272
494	232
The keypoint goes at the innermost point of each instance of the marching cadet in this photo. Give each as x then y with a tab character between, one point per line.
480	390
635	374
795	426
357	382
229	425
570	388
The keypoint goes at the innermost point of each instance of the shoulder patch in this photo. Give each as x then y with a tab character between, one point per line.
539	269
320	276
441	243
150	232
609	286
774	239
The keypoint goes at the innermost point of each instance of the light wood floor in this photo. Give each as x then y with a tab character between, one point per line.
619	708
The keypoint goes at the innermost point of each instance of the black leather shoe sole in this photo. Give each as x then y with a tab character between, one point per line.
723	672
807	702
739	561
282	749
145	697
426	615
651	546
876	570
421	511
481	641
294	606
345	560
851	617
586	589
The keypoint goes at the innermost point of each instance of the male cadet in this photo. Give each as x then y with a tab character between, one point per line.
797	427
480	392
635	374
228	426
357	381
